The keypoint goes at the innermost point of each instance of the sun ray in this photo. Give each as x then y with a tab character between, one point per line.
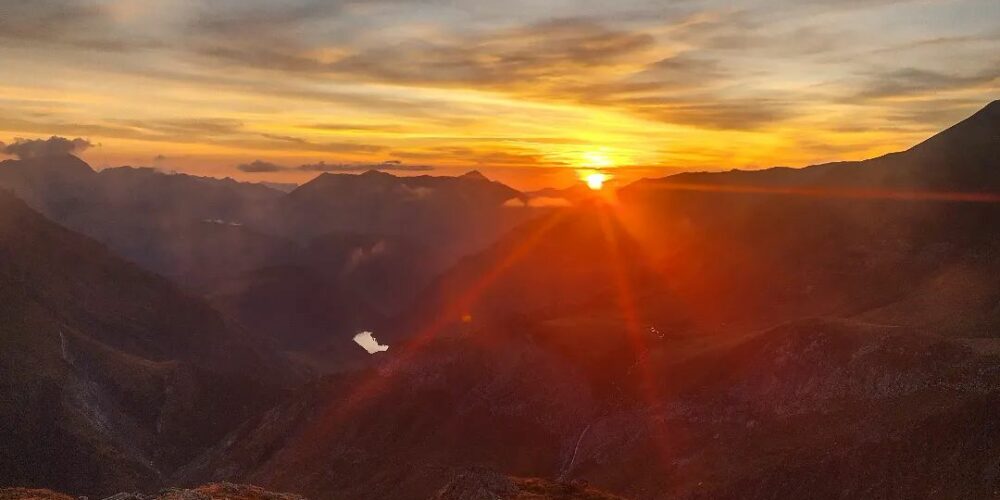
647	387
338	411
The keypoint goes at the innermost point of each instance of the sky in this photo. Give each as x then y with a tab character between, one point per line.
533	93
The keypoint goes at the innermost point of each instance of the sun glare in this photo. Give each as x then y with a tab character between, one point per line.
596	159
596	180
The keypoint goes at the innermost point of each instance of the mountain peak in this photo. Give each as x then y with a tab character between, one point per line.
65	163
474	174
376	174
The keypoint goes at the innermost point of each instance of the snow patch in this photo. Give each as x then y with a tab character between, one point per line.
367	342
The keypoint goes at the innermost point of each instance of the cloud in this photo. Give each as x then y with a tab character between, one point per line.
497	58
346	127
510	57
575	60
905	82
539	202
392	165
688	89
333	147
210	127
259	166
749	32
53	146
74	23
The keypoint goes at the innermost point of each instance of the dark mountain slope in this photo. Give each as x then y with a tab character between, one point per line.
559	262
185	227
834	239
296	307
109	376
817	406
55	185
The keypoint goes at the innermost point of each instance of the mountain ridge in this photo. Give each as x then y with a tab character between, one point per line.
963	156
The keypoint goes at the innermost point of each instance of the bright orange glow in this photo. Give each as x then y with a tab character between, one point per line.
596	180
596	159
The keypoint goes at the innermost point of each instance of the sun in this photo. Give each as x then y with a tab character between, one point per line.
595	180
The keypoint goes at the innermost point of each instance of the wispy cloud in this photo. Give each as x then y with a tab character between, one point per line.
261	167
89	25
904	82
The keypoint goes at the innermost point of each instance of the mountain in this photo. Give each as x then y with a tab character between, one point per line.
825	332
962	158
456	214
110	377
296	308
56	185
188	228
364	245
709	343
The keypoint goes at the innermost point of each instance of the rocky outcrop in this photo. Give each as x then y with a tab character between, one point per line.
213	491
485	484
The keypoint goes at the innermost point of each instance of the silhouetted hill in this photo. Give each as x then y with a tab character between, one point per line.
56	185
456	215
109	376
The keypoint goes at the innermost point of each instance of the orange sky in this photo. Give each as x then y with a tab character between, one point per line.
527	92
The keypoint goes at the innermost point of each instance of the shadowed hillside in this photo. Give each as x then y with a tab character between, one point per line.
110	376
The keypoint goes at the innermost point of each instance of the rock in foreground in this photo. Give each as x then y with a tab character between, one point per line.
227	491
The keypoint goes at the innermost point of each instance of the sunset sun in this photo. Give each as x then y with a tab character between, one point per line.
595	180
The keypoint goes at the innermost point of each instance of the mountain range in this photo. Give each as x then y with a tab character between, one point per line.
824	332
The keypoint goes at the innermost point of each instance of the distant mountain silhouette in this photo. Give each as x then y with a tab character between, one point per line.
186	227
458	215
965	157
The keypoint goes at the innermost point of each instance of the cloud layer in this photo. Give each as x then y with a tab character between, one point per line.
40	148
265	167
489	84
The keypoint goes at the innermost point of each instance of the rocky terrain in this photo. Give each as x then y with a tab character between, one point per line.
214	491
